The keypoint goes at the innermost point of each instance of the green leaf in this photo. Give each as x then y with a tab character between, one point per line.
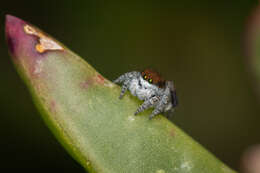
83	110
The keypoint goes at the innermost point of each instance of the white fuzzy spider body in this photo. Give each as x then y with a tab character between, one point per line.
141	88
148	86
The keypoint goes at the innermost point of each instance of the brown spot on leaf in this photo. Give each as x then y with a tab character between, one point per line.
45	42
97	79
85	84
172	133
53	106
100	79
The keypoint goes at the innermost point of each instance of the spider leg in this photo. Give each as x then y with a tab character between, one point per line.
123	90
162	105
126	79
155	112
120	79
126	76
147	104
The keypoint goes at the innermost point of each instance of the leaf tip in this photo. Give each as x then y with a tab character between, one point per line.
12	32
22	37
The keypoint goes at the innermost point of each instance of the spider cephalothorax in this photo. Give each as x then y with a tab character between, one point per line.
153	77
149	86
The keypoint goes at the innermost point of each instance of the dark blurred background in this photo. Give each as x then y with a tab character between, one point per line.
198	44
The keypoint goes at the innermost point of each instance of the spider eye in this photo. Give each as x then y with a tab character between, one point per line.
145	77
150	80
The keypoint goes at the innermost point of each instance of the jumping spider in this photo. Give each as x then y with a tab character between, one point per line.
149	86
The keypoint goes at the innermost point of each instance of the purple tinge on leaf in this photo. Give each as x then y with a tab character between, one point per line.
28	44
14	33
27	39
